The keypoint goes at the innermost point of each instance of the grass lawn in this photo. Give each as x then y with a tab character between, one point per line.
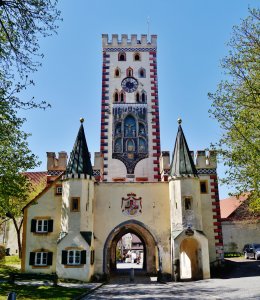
32	292
39	292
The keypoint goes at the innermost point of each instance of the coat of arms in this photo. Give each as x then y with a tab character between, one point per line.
131	206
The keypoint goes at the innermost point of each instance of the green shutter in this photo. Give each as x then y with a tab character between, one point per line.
83	257
50	225
33	225
64	255
49	258
32	259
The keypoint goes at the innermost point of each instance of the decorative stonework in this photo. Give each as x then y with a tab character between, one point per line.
131	206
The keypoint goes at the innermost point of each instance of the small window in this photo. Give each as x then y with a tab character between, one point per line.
74	204
116	97
58	190
137	97
137	57
41	258
187	203
122	97
92	257
129	72
203	187
143	97
122	56
42	226
142	73
73	257
117	72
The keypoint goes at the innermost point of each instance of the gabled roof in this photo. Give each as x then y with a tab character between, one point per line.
36	177
79	162
237	209
182	162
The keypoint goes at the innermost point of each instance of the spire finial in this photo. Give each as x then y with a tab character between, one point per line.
81	120
179	121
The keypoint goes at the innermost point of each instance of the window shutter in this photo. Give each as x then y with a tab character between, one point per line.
32	258
50	225
83	257
49	258
33	225
64	255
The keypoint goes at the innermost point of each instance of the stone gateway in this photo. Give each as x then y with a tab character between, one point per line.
73	227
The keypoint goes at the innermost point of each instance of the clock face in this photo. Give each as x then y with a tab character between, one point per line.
129	84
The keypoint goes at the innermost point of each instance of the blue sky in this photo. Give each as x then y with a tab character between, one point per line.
192	37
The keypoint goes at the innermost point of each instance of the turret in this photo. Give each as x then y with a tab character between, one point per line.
184	187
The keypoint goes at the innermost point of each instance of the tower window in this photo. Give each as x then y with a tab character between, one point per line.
137	57
143	97
137	97
187	203
122	56
142	73
129	72
117	72
116	96
74	204
122	97
203	187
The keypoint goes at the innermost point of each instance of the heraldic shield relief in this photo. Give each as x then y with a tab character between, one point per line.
131	206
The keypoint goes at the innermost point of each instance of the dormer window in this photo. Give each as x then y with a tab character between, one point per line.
121	56
129	72
137	57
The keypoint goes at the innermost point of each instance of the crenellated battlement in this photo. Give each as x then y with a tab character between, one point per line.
132	40
205	159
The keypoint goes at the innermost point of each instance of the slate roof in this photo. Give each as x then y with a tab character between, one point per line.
79	162
182	162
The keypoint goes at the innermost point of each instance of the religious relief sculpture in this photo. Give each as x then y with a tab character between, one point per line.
130	137
131	206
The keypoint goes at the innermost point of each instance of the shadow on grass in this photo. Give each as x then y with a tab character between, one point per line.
40	292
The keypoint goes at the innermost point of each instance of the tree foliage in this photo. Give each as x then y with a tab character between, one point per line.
236	106
22	23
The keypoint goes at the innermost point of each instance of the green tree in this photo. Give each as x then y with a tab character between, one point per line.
236	106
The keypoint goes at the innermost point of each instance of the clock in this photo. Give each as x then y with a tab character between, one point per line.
129	84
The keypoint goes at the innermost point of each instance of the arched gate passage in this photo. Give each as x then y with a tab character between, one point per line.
151	253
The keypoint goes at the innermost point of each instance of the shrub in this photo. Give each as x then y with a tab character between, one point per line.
2	252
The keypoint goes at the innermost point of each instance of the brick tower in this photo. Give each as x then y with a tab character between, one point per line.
130	131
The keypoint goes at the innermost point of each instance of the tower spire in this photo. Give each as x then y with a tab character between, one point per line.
182	162
79	162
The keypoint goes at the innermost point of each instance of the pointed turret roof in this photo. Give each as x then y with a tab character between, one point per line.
79	162
182	162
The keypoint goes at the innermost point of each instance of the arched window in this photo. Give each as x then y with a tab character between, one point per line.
137	57
137	97
117	72
122	96
118	129
116	96
129	72
143	97
142	73
121	56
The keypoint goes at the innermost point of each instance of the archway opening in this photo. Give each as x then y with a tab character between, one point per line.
190	260
148	258
130	252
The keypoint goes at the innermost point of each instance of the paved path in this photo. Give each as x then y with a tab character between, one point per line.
239	282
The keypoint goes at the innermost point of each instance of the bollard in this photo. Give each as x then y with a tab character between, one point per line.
12	296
